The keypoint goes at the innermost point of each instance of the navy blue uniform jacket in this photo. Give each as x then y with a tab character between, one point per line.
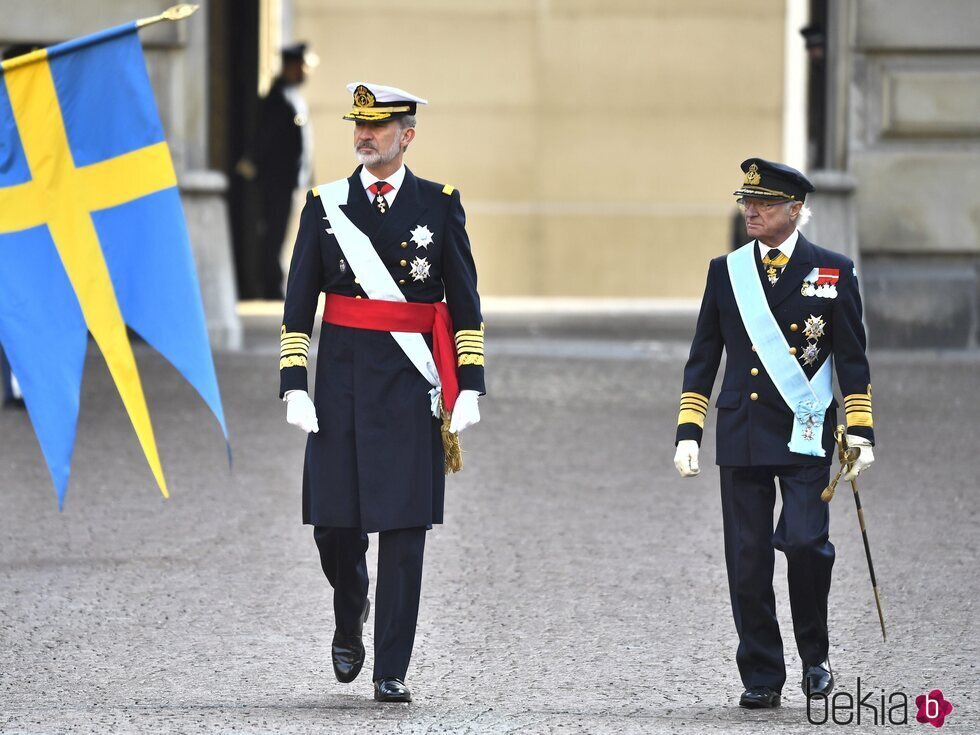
377	461
754	423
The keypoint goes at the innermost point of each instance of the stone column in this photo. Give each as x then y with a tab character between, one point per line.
176	57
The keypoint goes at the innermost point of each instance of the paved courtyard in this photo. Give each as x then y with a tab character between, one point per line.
578	585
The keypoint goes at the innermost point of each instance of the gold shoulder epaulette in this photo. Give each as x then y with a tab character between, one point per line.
316	191
448	189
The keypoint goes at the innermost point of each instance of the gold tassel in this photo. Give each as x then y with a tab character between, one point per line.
450	443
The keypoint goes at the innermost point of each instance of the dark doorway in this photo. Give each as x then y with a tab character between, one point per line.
815	37
233	111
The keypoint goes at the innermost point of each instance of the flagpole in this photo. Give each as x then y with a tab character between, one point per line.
177	12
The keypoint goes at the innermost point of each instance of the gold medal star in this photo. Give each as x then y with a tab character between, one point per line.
813	328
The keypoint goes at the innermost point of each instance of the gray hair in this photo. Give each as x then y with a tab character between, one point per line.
406	121
804	216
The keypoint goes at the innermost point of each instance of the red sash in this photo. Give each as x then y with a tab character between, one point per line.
402	316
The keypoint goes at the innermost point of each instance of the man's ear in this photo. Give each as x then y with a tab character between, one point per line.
408	135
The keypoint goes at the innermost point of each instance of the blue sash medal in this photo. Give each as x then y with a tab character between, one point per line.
807	399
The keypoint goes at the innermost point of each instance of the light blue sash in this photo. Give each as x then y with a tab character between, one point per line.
808	400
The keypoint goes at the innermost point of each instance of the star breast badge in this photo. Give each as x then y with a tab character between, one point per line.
813	328
422	237
810	354
420	269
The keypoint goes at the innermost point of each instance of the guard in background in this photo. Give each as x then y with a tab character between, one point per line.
398	375
283	160
786	312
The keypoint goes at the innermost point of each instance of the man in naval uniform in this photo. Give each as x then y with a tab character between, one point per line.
786	312
398	375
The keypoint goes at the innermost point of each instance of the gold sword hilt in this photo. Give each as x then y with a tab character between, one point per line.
846	455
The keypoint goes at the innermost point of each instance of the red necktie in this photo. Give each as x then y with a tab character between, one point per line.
379	189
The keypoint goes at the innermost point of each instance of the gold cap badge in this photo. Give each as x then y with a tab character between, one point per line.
363	97
752	176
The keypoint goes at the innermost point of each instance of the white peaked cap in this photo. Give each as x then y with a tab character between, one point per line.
383	93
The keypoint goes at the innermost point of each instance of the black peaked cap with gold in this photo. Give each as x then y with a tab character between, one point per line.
380	103
768	180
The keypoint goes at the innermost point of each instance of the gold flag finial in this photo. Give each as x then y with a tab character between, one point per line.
177	12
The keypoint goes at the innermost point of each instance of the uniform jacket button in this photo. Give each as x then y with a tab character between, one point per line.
358	296
357	280
793	327
404	244
792	350
402	263
402	281
754	396
754	371
753	348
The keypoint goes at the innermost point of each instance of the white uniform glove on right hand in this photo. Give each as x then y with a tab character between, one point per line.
865	459
686	458
300	411
466	412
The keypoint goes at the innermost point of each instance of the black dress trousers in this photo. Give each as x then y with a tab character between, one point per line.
396	605
748	496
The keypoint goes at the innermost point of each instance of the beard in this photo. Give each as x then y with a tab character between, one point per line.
376	157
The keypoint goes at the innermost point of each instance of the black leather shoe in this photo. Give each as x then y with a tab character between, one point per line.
759	698
391	689
817	679
347	651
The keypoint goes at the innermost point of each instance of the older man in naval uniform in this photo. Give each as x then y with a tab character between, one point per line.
787	313
398	374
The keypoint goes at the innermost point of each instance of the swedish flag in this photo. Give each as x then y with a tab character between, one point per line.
92	238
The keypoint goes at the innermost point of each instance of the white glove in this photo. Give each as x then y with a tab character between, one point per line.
686	458
300	411
865	459
466	412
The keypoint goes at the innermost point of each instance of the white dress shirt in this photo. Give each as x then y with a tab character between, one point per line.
396	180
786	247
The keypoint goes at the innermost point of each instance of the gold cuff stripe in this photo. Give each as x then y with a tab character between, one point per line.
294	341
469	333
695	397
469	345
470	360
858	398
298	335
288	362
686	416
860	418
688	405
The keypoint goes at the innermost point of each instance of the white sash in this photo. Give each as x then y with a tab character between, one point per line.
375	279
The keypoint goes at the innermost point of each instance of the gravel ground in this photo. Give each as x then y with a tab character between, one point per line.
578	585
